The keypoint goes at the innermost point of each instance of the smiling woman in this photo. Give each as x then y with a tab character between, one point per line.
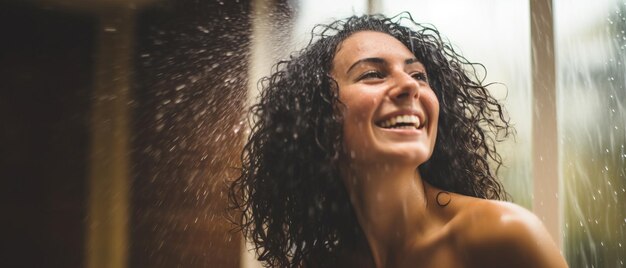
390	114
371	148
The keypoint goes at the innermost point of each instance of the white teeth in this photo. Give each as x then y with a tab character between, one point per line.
413	119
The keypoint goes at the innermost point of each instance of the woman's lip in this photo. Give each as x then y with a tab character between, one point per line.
408	131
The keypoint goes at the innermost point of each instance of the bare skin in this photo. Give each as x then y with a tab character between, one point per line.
406	221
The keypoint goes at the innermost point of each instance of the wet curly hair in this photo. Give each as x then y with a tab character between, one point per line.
290	200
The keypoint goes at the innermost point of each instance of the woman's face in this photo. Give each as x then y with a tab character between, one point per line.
390	111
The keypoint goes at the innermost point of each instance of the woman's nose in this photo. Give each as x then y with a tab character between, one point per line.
406	88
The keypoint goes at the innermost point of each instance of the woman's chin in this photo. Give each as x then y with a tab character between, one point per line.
409	154
413	153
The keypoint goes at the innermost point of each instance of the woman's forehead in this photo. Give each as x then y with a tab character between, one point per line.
368	44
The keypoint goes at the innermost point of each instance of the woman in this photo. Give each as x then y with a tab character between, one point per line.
371	148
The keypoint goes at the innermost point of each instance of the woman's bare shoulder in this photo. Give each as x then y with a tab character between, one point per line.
502	234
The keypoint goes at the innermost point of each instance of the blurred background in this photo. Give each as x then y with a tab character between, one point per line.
121	121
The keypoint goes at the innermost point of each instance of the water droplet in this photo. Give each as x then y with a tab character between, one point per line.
202	29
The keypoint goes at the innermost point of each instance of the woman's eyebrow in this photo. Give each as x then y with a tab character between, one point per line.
412	61
382	61
370	60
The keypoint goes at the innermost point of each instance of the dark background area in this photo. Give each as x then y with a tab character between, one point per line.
46	63
184	142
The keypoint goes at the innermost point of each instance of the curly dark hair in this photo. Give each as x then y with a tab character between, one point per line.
290	199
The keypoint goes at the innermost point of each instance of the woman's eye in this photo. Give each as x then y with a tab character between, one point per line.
419	76
371	75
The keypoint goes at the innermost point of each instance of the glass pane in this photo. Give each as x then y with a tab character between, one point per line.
283	27
591	46
312	12
496	35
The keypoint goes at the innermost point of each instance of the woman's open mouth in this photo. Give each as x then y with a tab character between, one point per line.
402	122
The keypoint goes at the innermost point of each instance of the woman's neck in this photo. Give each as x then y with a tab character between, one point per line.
391	206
